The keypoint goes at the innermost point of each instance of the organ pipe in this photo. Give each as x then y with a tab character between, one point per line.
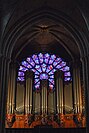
77	89
59	91
29	89
11	89
44	96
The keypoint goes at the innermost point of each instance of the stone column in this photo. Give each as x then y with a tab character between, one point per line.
4	72
85	65
29	89
77	88
44	96
59	90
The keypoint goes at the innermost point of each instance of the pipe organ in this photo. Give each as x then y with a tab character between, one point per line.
43	103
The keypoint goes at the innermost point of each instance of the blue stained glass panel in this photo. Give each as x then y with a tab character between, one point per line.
46	58
51	80
38	67
35	58
40	57
49	68
37	72
58	66
67	74
47	55
67	79
66	68
22	68
36	80
36	76
20	79
52	76
30	60
51	61
53	57
55	63
63	64
44	66
26	64
43	76
34	70
20	73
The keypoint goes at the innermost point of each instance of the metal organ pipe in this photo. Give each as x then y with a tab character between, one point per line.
59	91
29	89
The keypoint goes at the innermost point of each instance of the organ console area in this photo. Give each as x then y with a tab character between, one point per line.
58	107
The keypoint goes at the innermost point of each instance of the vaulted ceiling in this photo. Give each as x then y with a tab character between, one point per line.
44	26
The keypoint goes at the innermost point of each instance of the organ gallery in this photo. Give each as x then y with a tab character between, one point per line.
45	90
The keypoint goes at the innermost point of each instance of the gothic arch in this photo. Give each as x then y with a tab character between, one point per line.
10	40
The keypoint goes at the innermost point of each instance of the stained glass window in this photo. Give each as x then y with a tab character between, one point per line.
44	66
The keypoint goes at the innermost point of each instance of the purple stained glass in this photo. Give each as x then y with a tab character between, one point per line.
46	58
47	55
23	68
66	68
20	79
36	80
36	76
53	57
37	72
51	80
58	66
50	73
34	70
24	63
43	76
67	79
35	58
44	67
51	61
30	60
52	76
40	57
20	73
37	61
63	64
58	60
38	67
41	60
67	74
